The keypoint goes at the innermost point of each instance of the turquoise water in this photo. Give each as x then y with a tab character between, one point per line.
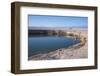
46	44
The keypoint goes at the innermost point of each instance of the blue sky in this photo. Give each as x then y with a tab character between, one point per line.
57	21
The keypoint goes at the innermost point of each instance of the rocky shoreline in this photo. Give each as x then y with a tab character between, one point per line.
76	51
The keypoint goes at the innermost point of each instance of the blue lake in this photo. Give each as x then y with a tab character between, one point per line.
46	44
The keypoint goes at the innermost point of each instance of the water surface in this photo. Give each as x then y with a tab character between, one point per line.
46	44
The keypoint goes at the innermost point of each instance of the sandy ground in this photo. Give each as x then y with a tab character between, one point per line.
74	52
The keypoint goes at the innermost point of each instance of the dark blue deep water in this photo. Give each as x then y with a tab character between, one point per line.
46	44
